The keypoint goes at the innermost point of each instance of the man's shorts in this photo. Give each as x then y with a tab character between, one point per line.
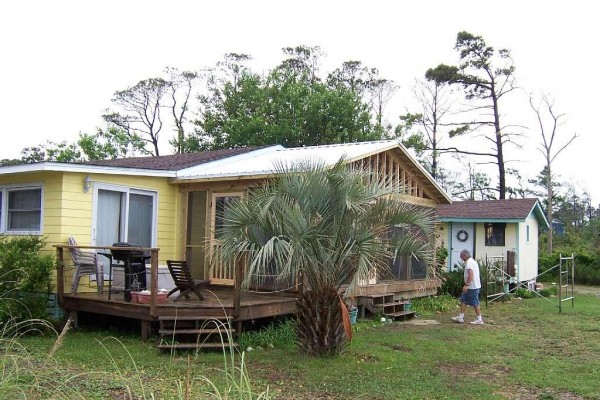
470	297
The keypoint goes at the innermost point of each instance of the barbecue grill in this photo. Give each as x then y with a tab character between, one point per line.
134	266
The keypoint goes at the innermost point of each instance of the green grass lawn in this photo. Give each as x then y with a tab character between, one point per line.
526	350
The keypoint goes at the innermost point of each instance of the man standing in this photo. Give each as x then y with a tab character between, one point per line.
470	294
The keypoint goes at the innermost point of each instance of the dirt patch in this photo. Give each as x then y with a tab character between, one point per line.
497	375
534	393
399	347
422	322
288	386
489	373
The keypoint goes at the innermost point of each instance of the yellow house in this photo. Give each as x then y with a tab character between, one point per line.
170	203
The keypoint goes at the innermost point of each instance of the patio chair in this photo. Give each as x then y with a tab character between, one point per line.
85	264
184	283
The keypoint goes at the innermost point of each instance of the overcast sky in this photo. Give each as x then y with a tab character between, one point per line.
60	61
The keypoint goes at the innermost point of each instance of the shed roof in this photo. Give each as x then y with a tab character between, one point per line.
505	209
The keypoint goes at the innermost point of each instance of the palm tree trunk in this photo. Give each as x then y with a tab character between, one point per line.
319	324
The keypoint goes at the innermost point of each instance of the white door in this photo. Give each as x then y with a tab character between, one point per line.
462	238
109	218
123	215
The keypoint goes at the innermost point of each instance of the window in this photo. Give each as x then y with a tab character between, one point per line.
527	233
21	209
405	267
494	234
220	204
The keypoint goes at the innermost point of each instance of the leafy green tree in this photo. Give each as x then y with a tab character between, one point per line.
110	143
486	77
290	106
51	151
326	227
229	113
353	76
10	161
368	85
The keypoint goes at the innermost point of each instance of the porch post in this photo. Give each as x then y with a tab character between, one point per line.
237	286
153	280
60	275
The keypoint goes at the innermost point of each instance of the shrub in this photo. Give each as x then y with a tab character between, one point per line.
549	291
25	276
276	334
433	304
524	293
452	282
587	266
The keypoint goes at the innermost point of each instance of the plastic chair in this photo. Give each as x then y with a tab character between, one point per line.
85	263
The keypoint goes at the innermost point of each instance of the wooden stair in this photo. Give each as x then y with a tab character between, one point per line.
195	332
386	304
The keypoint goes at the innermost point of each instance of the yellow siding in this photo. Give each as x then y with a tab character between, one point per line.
52	213
78	209
67	210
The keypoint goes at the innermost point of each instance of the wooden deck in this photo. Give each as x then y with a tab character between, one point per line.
229	303
218	303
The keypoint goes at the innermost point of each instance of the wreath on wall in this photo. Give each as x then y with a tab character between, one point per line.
462	236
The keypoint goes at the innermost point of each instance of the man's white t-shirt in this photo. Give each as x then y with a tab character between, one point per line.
476	282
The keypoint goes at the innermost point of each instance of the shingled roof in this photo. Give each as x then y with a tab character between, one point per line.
488	209
171	162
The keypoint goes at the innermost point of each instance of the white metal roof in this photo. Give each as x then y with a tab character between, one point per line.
263	161
259	162
83	168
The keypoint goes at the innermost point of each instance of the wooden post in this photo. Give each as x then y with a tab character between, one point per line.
153	280
146	329
60	275
237	284
237	289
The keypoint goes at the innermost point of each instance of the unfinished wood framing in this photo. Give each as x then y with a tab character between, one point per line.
389	169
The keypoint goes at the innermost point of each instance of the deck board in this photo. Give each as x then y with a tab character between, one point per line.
218	302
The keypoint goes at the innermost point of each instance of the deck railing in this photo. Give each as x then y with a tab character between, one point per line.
60	269
238	274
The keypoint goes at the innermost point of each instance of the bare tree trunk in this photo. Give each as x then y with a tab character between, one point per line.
549	212
499	150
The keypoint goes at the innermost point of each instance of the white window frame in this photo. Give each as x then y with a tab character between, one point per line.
125	204
5	190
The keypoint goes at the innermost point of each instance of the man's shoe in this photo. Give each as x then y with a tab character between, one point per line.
458	319
477	322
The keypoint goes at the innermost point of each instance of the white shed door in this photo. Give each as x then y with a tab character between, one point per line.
462	238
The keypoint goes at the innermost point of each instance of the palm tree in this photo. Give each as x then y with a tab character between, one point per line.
329	226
